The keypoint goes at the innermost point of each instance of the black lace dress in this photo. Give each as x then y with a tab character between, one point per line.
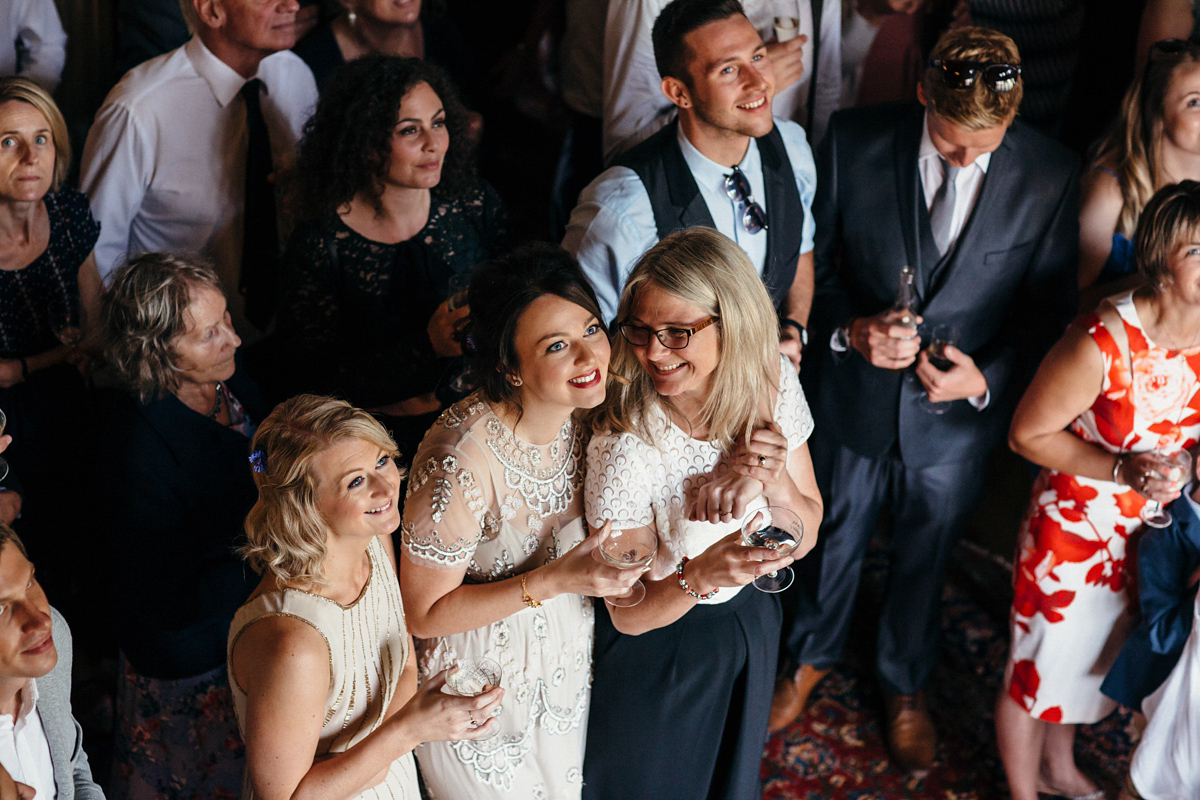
355	311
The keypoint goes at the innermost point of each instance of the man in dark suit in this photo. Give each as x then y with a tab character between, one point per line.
985	211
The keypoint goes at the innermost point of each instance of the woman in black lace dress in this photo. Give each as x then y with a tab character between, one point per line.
393	222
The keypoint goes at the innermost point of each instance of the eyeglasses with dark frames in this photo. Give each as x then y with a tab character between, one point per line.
754	219
672	338
999	77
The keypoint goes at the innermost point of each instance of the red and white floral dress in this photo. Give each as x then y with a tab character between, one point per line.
1074	603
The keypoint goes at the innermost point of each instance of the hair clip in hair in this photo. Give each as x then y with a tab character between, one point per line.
258	460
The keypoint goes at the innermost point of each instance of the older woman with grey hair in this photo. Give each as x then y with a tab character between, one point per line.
174	490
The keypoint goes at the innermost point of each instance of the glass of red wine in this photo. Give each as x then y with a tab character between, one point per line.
940	337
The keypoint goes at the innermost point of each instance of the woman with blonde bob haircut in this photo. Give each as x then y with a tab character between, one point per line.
320	658
711	424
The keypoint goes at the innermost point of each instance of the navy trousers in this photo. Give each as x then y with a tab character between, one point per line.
929	507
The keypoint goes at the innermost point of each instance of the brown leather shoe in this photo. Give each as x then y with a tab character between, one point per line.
791	696
912	741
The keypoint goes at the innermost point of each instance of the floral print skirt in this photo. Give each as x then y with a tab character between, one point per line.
176	739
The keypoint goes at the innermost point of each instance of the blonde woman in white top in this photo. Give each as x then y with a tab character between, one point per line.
320	659
712	422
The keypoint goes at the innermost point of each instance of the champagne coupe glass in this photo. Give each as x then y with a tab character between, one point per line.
630	549
778	529
940	337
3	463
1177	468
471	677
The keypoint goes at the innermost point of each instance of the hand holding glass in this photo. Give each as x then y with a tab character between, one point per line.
471	677
779	529
629	549
940	337
1175	467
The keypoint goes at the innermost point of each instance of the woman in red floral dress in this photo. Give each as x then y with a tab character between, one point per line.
1121	384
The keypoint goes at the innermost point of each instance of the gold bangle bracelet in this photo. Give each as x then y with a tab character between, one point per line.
526	597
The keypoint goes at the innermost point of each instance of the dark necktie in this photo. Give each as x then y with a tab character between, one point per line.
941	211
260	239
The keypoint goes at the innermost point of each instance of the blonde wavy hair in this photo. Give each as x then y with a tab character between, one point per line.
1132	142
285	529
978	107
707	269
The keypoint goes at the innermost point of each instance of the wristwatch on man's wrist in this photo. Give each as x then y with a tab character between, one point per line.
785	322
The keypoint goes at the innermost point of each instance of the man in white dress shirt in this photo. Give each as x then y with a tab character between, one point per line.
33	43
726	163
985	211
40	741
166	160
634	106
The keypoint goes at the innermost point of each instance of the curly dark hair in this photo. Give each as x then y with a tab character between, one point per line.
347	142
500	291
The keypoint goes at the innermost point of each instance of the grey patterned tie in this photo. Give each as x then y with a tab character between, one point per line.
941	212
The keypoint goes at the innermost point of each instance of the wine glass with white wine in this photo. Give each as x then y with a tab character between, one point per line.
1175	467
630	549
66	319
779	529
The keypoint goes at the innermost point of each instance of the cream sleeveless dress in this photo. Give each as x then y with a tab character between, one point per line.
368	648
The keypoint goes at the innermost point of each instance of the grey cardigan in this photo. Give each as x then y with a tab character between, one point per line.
71	771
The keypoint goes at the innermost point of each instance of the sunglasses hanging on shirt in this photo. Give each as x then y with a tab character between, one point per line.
754	219
1000	78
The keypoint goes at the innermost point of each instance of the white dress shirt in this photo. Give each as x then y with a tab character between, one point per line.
968	182
970	179
33	43
635	107
613	225
24	751
165	161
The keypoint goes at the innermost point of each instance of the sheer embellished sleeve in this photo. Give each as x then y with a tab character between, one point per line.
446	515
622	472
791	409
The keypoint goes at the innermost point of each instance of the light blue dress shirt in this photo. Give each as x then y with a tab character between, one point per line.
613	225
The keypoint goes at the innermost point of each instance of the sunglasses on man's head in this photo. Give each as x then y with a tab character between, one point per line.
963	74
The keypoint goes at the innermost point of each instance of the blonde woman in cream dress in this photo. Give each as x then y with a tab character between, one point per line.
319	656
495	560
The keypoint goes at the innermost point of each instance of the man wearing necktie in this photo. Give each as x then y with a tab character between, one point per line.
183	152
985	212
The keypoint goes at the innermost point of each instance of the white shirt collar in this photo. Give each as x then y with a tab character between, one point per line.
29	698
927	149
222	79
708	172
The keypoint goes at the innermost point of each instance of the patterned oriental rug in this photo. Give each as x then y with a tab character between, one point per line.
836	749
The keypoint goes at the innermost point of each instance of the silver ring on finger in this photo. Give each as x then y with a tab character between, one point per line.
474	722
762	461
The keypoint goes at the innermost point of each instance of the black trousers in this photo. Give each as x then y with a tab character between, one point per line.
681	711
930	507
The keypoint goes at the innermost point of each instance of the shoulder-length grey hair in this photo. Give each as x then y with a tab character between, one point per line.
143	315
707	269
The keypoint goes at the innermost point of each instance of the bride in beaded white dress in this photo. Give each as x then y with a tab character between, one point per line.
496	558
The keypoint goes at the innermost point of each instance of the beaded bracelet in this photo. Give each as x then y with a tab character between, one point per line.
683	584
